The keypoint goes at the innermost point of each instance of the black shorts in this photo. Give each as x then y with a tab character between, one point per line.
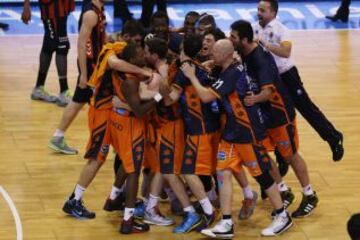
55	38
83	95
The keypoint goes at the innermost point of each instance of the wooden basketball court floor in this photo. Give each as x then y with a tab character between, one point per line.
38	180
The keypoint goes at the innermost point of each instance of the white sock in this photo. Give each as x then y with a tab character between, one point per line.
282	186
308	191
248	193
170	194
128	213
114	193
212	194
189	209
206	206
58	133
79	191
153	201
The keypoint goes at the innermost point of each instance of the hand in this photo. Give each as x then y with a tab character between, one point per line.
188	70
147	73
83	81
250	99
209	64
117	103
26	14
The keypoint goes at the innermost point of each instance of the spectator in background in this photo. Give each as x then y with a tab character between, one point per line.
342	13
121	10
353	226
148	8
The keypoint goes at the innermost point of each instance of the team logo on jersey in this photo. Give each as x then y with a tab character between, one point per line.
221	156
218	84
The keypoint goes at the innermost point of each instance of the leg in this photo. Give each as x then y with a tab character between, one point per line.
147	10
312	113
121	10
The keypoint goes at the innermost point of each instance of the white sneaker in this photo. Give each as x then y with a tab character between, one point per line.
222	230
154	217
279	225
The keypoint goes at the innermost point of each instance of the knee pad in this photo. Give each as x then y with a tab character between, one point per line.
265	180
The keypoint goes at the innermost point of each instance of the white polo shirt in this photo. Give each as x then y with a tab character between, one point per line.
274	33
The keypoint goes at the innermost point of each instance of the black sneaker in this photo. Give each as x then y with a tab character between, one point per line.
287	198
76	209
307	206
133	225
337	148
118	204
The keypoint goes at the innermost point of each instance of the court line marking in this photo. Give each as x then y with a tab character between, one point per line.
19	230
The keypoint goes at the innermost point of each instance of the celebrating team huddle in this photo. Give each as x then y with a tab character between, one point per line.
187	109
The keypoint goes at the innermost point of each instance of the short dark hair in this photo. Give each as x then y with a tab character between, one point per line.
133	28
159	15
217	33
192	14
192	45
274	4
158	46
129	52
207	19
353	226
243	29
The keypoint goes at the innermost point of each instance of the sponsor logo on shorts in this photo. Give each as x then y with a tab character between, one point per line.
104	149
221	156
251	164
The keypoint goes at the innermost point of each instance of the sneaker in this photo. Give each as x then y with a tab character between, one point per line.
39	93
307	206
279	225
58	144
76	209
190	222
139	211
133	225
248	207
222	230
64	98
337	148
287	198
118	204
209	219
176	208
155	217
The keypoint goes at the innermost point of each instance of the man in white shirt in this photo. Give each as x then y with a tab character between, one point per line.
274	36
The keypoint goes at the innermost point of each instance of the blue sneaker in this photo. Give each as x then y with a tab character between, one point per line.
139	211
191	221
76	209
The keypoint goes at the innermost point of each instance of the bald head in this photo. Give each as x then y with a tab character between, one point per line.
225	46
223	50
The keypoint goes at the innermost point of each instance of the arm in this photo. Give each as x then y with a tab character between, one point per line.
26	14
171	94
263	96
123	66
130	89
205	94
90	20
284	50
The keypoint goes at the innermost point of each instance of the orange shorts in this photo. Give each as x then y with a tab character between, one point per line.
200	154
127	136
170	146
150	154
285	138
99	142
233	156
